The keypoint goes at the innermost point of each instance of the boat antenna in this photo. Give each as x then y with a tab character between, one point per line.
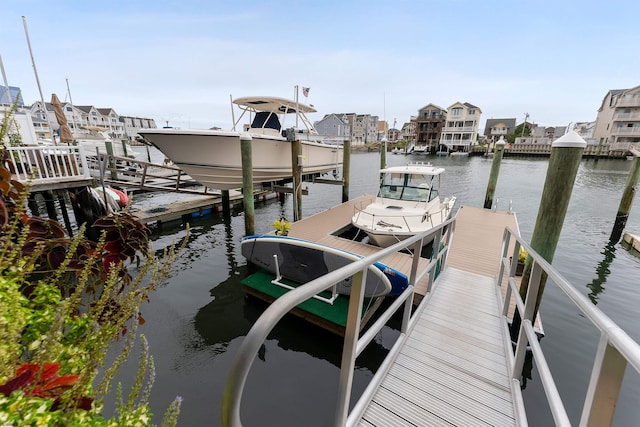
233	117
6	83
35	71
297	108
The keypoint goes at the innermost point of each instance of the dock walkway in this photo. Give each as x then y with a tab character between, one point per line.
453	367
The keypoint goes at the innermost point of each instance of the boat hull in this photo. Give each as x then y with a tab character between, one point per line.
388	222
213	158
302	261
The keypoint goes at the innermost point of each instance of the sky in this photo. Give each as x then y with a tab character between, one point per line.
180	62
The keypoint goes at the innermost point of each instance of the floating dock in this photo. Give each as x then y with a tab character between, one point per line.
476	248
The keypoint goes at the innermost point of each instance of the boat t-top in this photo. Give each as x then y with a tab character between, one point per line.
407	203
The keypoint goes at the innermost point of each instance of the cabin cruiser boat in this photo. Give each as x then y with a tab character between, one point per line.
408	203
213	158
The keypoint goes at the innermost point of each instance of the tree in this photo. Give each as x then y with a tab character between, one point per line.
517	132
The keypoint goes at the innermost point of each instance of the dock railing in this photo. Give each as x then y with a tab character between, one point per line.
37	164
615	349
353	344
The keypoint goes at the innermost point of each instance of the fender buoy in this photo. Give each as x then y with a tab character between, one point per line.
122	196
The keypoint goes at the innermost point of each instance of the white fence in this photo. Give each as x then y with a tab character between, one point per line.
40	164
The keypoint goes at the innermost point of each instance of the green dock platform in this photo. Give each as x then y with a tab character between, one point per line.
332	317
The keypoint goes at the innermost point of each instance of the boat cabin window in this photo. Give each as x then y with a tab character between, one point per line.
266	119
409	187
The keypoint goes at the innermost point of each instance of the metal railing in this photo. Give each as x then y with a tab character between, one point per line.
38	164
615	349
353	344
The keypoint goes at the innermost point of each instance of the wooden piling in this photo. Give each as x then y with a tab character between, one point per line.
495	171
383	153
247	184
566	153
50	204
65	214
627	200
226	203
296	171
346	169
112	164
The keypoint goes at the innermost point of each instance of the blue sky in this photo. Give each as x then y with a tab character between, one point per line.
180	61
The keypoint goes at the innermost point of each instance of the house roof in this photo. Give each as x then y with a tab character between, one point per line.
510	123
434	106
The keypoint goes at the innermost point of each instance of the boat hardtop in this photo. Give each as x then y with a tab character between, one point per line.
414	168
269	114
272	104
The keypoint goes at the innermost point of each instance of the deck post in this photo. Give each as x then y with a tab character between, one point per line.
226	203
296	172
627	200
566	153
124	147
247	183
50	204
495	171
112	162
346	169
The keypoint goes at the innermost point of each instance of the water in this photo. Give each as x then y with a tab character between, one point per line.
196	321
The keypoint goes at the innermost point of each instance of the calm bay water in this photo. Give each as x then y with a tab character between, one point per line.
198	318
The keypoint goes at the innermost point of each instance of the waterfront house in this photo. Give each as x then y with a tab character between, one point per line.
461	127
333	127
496	128
618	120
363	127
408	131
429	124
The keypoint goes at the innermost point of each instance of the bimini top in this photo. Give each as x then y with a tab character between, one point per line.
271	104
415	169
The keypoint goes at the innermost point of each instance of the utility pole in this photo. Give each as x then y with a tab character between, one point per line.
526	116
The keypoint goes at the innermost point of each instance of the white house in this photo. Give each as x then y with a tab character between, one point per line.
618	120
461	127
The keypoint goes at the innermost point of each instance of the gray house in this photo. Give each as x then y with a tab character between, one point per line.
495	128
333	127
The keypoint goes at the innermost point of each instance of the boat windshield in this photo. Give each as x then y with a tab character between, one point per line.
266	119
409	187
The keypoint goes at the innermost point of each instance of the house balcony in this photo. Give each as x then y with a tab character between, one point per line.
629	102
626	131
458	129
455	142
627	116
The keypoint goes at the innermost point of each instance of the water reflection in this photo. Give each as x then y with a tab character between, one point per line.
602	271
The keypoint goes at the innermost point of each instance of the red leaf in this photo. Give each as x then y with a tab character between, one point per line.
50	388
19	381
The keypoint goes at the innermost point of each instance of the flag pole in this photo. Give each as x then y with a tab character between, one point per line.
297	108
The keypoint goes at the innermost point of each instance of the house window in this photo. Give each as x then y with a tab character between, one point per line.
456	112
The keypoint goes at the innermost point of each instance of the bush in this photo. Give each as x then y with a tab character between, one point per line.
64	302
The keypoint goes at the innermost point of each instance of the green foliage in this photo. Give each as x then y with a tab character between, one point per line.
522	255
64	302
281	226
517	132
